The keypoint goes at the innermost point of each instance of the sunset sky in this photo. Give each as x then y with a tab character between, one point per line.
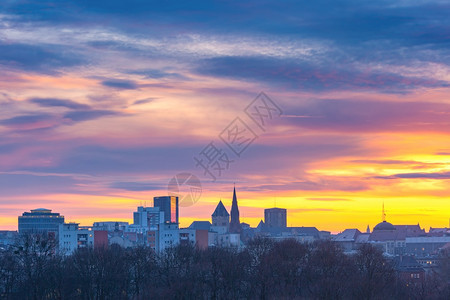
103	102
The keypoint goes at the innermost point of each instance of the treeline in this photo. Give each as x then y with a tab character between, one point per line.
263	270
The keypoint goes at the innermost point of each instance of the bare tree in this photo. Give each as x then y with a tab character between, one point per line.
329	272
375	274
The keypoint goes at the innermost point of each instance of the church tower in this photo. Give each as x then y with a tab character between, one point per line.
220	216
235	225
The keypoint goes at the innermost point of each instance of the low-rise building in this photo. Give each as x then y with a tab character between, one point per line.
72	236
425	246
392	238
110	225
409	270
301	234
7	238
169	236
198	234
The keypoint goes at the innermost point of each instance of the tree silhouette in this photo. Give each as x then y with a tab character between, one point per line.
265	269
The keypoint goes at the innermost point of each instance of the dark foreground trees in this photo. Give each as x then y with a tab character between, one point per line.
263	270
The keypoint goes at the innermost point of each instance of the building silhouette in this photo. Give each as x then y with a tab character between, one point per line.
220	216
275	217
40	221
72	237
148	217
168	205
235	224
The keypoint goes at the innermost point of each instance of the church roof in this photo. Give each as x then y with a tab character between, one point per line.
362	238
348	235
384	235
220	211
261	225
410	230
385	231
384	226
200	225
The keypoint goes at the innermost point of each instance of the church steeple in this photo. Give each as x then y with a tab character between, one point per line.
235	224
220	216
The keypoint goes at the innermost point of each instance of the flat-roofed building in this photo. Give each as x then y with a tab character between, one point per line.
275	217
168	205
72	237
40	221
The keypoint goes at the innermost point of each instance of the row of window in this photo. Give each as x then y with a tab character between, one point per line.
40	226
399	244
41	220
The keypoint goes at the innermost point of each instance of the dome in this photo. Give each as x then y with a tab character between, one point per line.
384	226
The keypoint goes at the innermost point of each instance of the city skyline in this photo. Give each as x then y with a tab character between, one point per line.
103	104
234	201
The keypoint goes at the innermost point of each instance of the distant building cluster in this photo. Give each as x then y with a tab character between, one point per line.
157	227
414	251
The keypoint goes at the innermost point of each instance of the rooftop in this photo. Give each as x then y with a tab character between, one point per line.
42	210
384	226
220	211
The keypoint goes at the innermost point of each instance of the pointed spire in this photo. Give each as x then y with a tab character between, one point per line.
235	224
368	229
383	214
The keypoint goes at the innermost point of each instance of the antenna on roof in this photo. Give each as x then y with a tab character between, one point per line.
383	214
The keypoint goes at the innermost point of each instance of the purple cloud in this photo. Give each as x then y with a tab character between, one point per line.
86	115
26	119
120	84
55	102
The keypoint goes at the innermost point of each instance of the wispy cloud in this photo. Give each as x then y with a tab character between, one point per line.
120	84
437	175
307	75
47	59
55	102
136	186
143	101
86	115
